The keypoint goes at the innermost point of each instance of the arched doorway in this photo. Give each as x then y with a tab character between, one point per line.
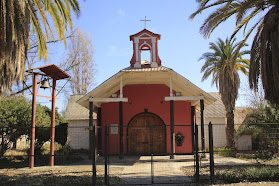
143	129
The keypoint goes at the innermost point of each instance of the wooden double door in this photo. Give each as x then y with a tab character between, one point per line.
146	135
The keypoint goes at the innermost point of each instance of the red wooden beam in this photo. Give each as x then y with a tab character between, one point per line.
52	124
33	120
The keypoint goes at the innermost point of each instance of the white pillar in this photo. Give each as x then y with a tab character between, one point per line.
153	50
171	94
152	53
121	88
137	63
137	49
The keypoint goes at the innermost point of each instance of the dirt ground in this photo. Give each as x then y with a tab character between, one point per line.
81	174
72	175
57	175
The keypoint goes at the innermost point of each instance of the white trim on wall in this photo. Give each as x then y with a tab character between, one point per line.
108	99
184	98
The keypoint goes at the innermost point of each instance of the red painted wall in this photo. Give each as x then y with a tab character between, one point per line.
149	97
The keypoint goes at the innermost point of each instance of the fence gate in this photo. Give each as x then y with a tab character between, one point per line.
146	157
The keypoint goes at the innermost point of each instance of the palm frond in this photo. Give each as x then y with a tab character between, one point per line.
201	8
20	18
216	18
265	47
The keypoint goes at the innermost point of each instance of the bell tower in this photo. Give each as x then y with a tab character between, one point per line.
145	41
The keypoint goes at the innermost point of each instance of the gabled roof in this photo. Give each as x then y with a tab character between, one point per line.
145	31
131	69
240	114
216	109
75	111
158	75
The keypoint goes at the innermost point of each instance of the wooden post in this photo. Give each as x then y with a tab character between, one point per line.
152	151
108	150
192	126
197	153
33	120
211	152
202	125
93	155
172	128
99	129
90	128
106	155
52	124
121	128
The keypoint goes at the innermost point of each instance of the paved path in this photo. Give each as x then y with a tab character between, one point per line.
138	170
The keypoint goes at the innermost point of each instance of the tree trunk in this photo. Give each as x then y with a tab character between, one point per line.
14	144
230	130
2	142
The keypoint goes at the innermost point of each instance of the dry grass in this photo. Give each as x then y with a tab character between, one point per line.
24	152
16	153
261	170
46	148
57	175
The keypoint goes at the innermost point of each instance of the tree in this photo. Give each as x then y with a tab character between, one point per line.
223	64
264	59
255	99
79	62
15	119
263	124
20	17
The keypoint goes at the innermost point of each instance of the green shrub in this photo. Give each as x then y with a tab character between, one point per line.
252	173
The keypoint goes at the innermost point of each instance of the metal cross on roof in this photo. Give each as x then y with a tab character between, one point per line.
145	22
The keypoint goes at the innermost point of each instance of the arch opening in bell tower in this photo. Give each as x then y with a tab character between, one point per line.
145	53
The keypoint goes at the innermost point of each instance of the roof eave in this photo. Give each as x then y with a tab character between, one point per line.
84	101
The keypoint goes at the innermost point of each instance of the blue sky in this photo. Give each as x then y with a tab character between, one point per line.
111	22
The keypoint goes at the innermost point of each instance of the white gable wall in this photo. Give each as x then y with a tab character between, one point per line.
219	132
78	135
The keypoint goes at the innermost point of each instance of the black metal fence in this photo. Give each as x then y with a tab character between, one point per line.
256	150
71	160
147	163
147	157
15	146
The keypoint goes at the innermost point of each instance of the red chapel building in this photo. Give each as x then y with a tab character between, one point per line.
146	106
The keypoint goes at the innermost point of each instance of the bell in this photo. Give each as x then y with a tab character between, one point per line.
45	84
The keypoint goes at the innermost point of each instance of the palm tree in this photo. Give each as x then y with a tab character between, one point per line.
223	64
20	17
264	59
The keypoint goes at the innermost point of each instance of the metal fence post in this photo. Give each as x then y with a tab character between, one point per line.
106	155
152	170
197	154
93	155
152	151
108	149
211	152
